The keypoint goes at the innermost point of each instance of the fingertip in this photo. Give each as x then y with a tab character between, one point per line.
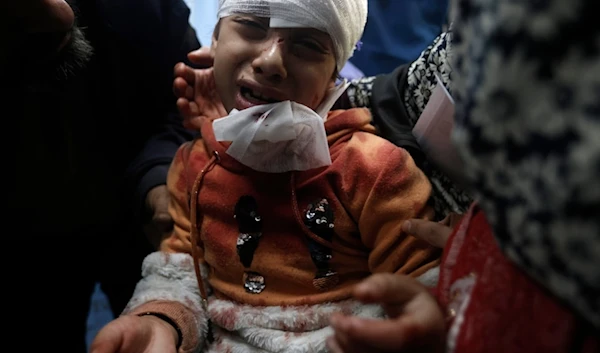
370	289
178	67
407	226
364	292
177	82
163	217
199	54
182	102
179	87
183	105
335	320
203	50
332	345
354	324
102	343
343	324
192	55
385	287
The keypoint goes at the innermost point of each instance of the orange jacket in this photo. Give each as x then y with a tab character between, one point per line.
372	186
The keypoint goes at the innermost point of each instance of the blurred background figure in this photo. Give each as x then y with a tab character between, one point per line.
397	32
203	18
85	89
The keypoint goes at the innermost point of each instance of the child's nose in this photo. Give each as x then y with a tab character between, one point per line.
271	60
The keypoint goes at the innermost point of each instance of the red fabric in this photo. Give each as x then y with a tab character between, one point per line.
506	310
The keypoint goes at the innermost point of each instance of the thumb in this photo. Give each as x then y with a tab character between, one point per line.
201	57
108	340
434	233
157	199
388	289
163	221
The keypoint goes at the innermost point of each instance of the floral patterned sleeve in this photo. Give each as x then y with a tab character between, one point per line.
396	101
420	79
359	92
527	93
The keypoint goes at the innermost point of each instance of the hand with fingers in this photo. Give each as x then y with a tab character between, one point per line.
197	97
415	322
136	334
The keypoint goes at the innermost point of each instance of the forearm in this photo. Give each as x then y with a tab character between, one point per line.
151	167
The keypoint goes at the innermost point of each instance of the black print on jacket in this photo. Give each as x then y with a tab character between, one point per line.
250	230
319	219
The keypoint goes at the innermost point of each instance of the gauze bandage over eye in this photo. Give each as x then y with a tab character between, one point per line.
343	20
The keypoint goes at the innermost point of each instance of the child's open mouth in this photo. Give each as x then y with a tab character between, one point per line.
256	97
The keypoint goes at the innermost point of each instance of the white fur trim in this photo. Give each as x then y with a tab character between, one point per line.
254	340
454	331
170	277
463	287
294	329
430	278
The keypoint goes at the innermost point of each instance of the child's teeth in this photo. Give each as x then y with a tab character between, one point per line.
258	95
251	94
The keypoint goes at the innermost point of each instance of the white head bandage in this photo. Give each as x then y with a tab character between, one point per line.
343	20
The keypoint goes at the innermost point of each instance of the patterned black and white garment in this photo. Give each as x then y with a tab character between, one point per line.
526	83
421	80
403	95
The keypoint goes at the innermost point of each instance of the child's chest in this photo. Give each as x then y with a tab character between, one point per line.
270	227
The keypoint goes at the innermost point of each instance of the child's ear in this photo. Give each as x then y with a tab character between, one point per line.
336	76
215	39
213	46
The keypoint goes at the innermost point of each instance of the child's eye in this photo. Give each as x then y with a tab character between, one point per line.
251	23
310	46
251	29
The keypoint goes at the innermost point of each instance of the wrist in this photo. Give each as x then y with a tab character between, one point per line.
168	323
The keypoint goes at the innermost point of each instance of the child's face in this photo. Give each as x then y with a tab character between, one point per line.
255	64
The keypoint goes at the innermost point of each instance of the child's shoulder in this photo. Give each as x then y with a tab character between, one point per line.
351	135
371	154
369	162
355	124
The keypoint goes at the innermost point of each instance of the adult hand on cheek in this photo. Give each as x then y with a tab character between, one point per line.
415	322
196	90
